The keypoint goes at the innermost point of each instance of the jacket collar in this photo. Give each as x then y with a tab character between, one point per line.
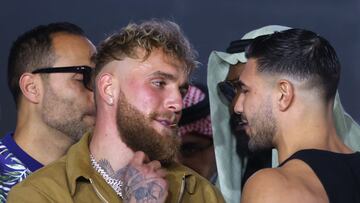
78	162
180	174
78	167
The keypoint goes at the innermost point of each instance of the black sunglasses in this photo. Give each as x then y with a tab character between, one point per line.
227	90
86	71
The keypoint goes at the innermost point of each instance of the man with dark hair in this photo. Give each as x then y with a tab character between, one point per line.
224	69
49	68
229	138
285	97
141	76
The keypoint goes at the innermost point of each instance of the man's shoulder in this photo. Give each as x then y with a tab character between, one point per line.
266	185
53	172
59	171
42	183
12	171
294	182
10	165
196	188
6	157
46	176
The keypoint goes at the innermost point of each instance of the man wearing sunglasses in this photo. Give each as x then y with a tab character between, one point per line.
49	72
224	69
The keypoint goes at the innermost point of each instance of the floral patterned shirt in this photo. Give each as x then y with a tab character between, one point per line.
15	165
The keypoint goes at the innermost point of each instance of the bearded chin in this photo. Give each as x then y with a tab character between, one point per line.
137	133
264	129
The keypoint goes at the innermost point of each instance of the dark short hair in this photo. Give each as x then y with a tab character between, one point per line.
33	49
148	35
300	54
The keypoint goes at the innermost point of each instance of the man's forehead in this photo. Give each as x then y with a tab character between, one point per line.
158	53
159	61
151	67
180	67
249	69
63	39
251	65
75	48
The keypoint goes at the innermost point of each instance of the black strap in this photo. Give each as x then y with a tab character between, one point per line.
338	173
238	46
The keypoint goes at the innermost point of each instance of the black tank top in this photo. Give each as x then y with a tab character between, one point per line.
338	173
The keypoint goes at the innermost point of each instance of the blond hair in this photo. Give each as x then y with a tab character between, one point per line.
148	36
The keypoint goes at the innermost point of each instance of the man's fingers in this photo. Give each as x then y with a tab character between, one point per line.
144	175
154	164
161	173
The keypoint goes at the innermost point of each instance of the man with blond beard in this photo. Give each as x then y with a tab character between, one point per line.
141	76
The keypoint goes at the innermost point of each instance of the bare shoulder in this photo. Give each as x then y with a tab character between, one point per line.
263	185
294	182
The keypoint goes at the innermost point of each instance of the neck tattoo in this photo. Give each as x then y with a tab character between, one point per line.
115	183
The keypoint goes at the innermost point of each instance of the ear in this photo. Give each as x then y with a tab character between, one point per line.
30	87
285	94
106	88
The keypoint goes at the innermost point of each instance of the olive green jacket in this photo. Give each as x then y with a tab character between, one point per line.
72	179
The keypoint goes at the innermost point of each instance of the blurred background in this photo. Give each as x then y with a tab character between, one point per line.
210	25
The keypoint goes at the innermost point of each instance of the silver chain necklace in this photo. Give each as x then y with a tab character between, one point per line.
114	183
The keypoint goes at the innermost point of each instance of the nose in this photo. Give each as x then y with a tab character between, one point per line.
174	102
239	104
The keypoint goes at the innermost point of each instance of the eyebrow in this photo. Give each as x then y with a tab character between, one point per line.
164	75
240	84
170	77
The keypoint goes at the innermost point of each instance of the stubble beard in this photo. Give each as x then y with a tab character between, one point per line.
138	134
263	129
63	115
